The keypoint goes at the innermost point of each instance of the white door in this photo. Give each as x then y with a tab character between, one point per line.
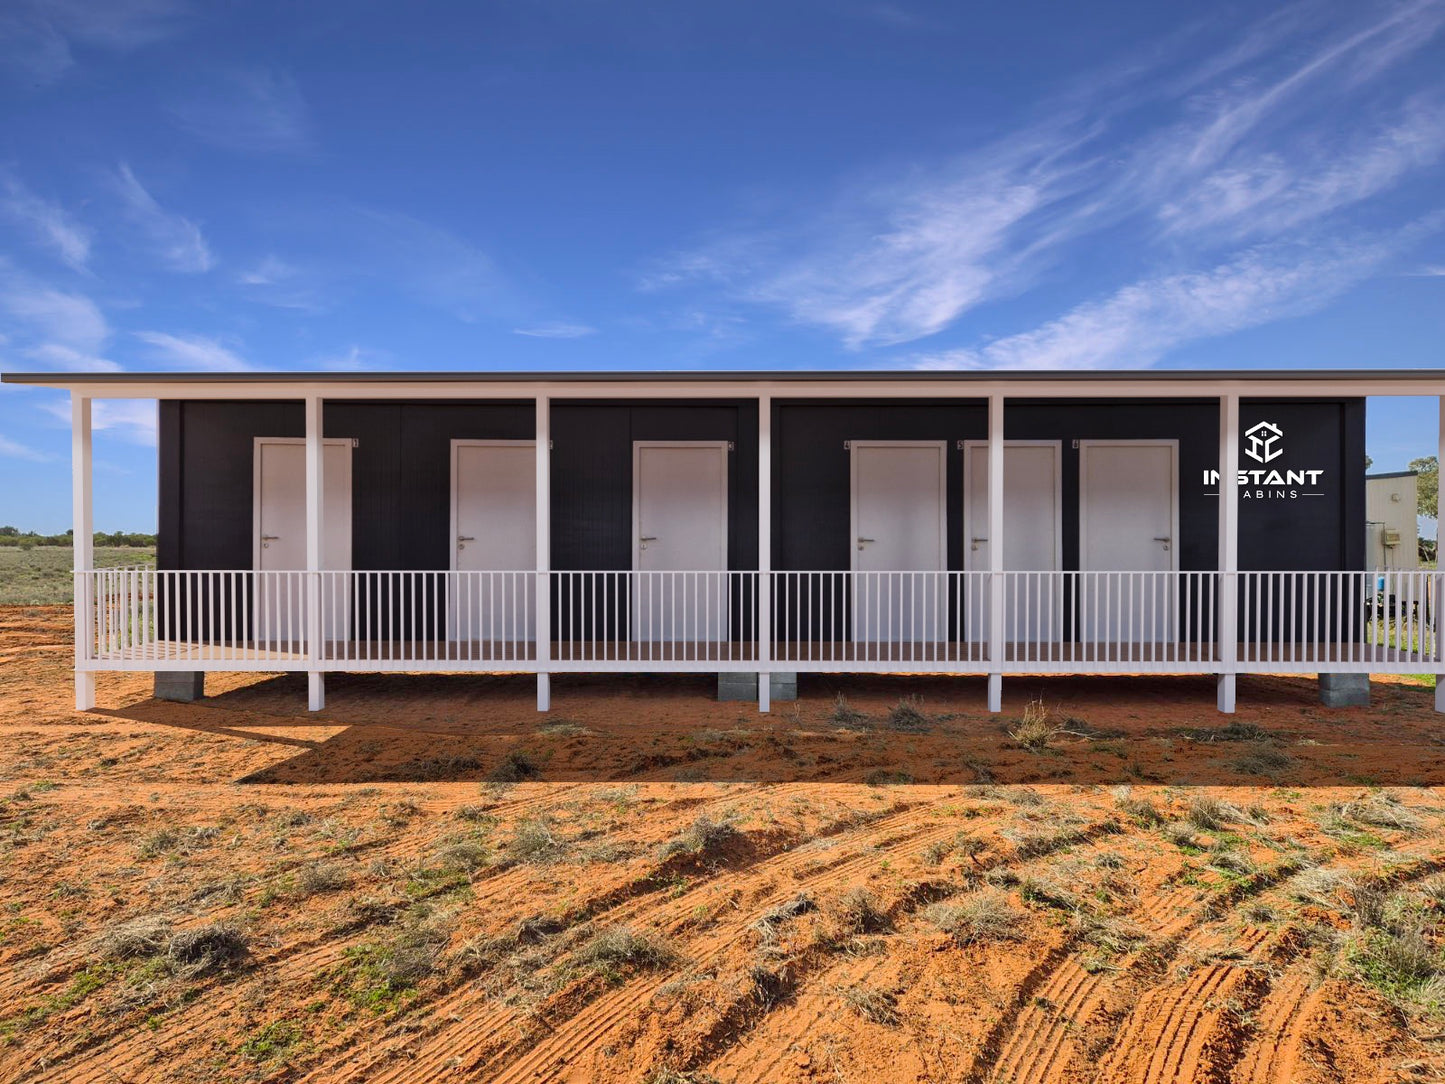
494	541
680	521
279	601
1033	538
899	553
1129	524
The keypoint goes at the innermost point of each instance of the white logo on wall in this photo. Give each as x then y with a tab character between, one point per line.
1264	443
1263	440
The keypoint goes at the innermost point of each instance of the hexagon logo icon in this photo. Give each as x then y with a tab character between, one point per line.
1264	440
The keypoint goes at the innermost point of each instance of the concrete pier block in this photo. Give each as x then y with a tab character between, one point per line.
1345	690
180	685
744	686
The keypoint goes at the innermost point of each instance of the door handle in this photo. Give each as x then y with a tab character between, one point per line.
976	541
1164	541
864	541
645	539
465	538
270	537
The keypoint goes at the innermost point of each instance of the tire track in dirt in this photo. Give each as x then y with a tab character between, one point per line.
1039	1038
798	868
1282	1024
297	967
1044	1037
806	968
923	893
765	1062
1206	1026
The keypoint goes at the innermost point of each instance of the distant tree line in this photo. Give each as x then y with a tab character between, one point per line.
14	536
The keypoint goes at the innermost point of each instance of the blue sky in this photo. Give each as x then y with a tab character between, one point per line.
557	184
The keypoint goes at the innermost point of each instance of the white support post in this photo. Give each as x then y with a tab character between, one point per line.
995	553
1439	621
764	621
1228	549
315	488
82	540
543	622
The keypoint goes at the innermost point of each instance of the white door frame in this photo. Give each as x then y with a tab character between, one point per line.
972	446
459	443
942	448
344	442
637	446
1173	445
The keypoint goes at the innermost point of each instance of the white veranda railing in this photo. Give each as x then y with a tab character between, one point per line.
1061	622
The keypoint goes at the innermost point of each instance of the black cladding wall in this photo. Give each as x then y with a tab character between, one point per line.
401	495
1292	529
401	475
402	479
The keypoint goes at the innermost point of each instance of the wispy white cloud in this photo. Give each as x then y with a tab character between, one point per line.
195	353
15	450
133	420
130	420
56	316
1272	139
68	359
1270	193
174	239
1141	322
283	285
48	222
55	328
251	111
558	330
39	38
270	271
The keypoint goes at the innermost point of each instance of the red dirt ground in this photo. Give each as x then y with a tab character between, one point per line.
430	881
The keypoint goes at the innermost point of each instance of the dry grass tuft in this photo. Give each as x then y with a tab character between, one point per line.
1262	759
138	938
879	1006
766	926
622	948
888	777
1037	727
318	878
1379	811
907	715
209	949
1210	814
1049	892
857	912
981	917
705	838
769	983
534	843
1319	887
465	855
1237	863
1142	811
515	767
846	715
1181	834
